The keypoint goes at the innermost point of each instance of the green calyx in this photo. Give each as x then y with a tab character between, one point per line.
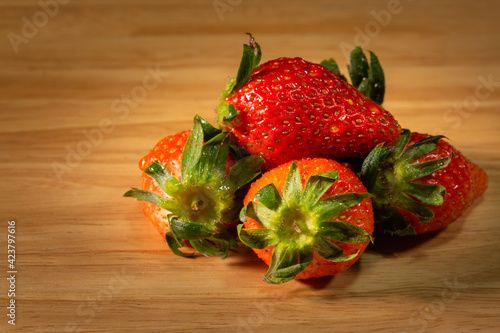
205	198
299	223
389	173
250	59
368	78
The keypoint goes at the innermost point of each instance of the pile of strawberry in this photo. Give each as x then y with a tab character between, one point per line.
302	167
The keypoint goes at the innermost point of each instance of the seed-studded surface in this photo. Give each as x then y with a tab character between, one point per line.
291	109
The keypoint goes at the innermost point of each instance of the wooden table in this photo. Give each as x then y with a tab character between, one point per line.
88	87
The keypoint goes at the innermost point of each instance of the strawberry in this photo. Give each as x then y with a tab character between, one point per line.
289	108
168	152
306	219
191	189
420	183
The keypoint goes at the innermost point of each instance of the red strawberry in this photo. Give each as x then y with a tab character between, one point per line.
420	184
168	152
192	190
289	108
307	219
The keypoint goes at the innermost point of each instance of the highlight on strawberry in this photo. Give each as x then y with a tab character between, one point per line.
288	108
420	183
192	189
307	218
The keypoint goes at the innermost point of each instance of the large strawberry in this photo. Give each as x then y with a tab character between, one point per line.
289	108
420	183
307	219
191	188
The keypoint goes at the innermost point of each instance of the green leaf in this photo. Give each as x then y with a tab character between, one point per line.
258	55
408	231
269	196
365	87
305	258
243	213
167	182
174	244
223	108
205	247
429	140
257	238
377	80
219	168
224	236
419	170
316	187
209	131
429	194
212	164
331	65
218	138
153	198
401	143
391	220
343	232
222	246
232	113
424	213
330	251
238	152
249	60
242	172
418	149
330	207
189	230
286	263
358	69
371	166
293	186
192	151
260	213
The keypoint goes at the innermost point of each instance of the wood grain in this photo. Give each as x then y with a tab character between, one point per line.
98	83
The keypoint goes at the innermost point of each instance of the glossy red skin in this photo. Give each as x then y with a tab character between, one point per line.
360	215
464	182
292	109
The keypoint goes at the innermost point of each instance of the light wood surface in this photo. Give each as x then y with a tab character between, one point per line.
95	84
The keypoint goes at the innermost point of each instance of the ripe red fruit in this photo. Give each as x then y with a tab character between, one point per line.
192	189
420	183
168	151
307	219
289	108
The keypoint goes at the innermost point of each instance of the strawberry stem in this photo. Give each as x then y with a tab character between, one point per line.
250	59
389	172
205	199
298	223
